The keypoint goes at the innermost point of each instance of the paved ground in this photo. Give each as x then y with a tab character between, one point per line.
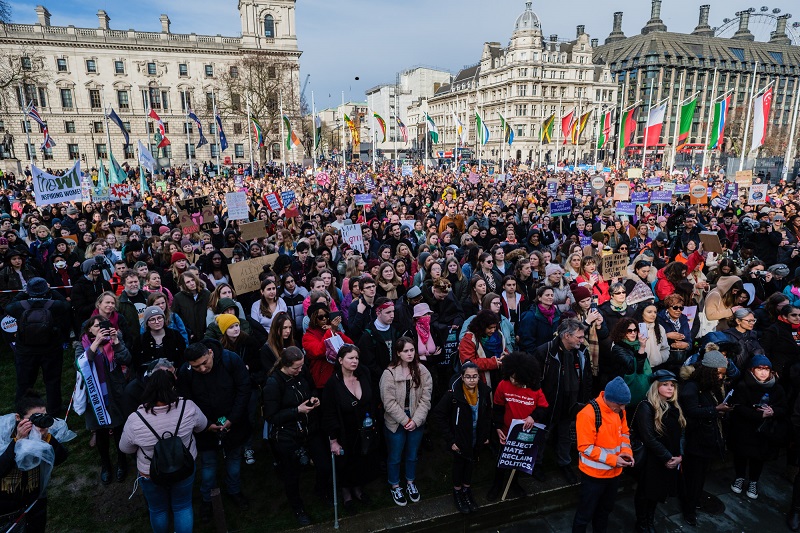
742	515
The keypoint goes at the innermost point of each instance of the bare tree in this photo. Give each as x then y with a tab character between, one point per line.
22	74
5	12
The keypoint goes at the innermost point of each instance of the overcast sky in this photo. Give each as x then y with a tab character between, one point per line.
374	39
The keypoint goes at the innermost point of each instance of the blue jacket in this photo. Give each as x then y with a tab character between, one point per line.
535	330
664	320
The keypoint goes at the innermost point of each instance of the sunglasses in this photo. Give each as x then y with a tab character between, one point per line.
634	330
677	308
618	293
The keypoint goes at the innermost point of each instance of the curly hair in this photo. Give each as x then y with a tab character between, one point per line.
524	368
621	329
484	319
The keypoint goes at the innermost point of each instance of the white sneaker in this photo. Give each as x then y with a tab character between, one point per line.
737	485
250	457
398	496
412	491
752	490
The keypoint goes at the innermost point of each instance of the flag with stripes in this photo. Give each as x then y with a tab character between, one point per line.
577	130
546	136
605	130
223	141
161	133
203	140
34	114
257	131
481	130
48	141
507	130
403	130
381	124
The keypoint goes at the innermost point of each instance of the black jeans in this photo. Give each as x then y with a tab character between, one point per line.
103	443
462	470
28	370
597	499
694	469
741	463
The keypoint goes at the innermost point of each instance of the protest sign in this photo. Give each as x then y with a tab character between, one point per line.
587	189
710	240
682	188
661	197
634	173
758	194
121	192
598	182
698	193
558	209
237	206
552	188
640	197
352	235
653	182
614	266
363	199
49	189
288	197
196	212
744	178
570	191
86	189
244	274
253	230
227	252
622	191
407	170
273	201
669	186
323	179
521	447
626	208
659	173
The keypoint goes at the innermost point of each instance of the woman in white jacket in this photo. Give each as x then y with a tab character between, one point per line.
656	346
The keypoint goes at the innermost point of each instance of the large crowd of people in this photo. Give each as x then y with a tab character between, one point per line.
464	305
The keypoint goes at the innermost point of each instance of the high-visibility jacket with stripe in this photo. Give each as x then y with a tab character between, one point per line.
598	448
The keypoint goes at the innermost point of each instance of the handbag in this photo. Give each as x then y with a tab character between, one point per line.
332	345
639	382
79	395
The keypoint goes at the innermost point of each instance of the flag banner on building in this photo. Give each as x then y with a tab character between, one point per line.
655	123
291	137
161	131
258	131
761	105
685	126
567	124
721	109
506	129
49	189
628	119
223	141
403	130
115	171
203	139
605	129
461	131
318	132
113	117
546	136
353	130
381	125
577	130
146	159
481	130
432	129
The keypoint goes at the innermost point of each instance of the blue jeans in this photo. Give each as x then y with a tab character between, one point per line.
395	443
160	500
208	471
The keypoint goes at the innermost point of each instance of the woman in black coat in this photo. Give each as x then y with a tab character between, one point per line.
757	423
781	341
466	424
628	353
658	424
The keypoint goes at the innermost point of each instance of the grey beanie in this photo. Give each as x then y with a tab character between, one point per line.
89	265
715	359
617	391
422	258
152	311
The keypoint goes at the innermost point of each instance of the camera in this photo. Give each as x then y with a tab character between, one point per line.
302	456
41	420
762	273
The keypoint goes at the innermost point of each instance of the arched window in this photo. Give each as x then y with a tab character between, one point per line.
269	26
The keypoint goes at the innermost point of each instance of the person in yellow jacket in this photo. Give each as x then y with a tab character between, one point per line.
604	449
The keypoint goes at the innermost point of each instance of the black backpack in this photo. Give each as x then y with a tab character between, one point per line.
171	461
36	327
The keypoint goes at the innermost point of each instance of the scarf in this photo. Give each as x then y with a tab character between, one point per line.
390	289
796	291
471	397
618	309
114	319
593	348
548	313
795	327
633	344
423	327
493	346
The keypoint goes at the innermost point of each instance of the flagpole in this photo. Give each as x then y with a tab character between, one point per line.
747	120
396	131
314	129
479	140
455	128
344	151
216	129
108	132
188	133
283	140
28	126
374	137
597	137
790	147
503	135
709	119
426	137
250	137
621	113
558	133
647	125
677	124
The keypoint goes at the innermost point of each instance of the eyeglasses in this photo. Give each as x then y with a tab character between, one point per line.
618	293
749	320
677	308
634	330
322	317
489	262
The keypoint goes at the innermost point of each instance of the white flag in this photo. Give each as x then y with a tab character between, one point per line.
761	106
146	158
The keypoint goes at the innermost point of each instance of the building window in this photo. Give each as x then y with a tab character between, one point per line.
47	153
166	127
214	150
30	151
119	67
269	26
237	128
61	64
26	63
26	126
97	126
91	66
155	98
73	151
238	150
94	99
69	126
151	69
209	71
183	70
212	127
188	127
165	100
123	100
150	128
186	100
522	90
127	126
209	102
167	151
128	151
66	98
236	102
189	150
234	72
272	73
101	150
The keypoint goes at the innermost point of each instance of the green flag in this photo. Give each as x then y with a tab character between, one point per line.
685	127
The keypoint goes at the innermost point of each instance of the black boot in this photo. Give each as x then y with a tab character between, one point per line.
469	499
793	519
461	505
650	516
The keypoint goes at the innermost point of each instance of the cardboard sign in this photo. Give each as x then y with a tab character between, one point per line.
698	193
614	266
622	191
363	199
661	197
757	194
352	235
710	240
559	209
195	212
122	192
253	230
626	208
522	447
598	182
744	178
640	197
237	206
634	173
227	252
244	274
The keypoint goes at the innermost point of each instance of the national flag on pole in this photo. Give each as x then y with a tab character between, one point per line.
202	140
257	131
115	171
34	114
577	130
506	129
356	138
461	131
113	117
685	127
432	129
481	130
605	130
291	137
567	124
161	133
403	130
48	141
381	124
628	119
546	135
223	141
762	105
655	122
318	131
146	159
718	126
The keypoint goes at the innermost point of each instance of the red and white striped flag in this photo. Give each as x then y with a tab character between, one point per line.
761	105
655	122
161	135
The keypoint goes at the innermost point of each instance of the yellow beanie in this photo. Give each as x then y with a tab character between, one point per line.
226	320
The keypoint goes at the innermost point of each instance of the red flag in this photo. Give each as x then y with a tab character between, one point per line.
161	135
567	124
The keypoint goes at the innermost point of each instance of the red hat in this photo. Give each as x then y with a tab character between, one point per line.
581	293
162	230
177	256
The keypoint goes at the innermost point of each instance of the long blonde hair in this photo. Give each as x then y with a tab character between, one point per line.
660	406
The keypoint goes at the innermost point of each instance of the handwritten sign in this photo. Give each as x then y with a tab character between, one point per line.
634	173
558	209
237	206
244	274
363	199
121	191
744	178
195	214
758	194
352	235
614	266
622	191
253	230
288	197
711	243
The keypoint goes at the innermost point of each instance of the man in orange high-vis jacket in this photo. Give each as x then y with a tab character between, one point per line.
604	449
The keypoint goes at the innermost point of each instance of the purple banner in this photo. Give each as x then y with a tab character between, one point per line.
626	208
661	197
558	209
682	188
640	197
653	182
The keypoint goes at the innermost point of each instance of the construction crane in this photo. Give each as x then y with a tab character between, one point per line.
305	84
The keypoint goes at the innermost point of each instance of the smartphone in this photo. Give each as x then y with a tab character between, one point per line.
643	329
334	315
593	307
728	397
105	324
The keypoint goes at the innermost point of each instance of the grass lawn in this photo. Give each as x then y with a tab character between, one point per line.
78	502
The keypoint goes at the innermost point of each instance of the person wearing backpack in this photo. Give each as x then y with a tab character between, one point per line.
161	433
42	329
